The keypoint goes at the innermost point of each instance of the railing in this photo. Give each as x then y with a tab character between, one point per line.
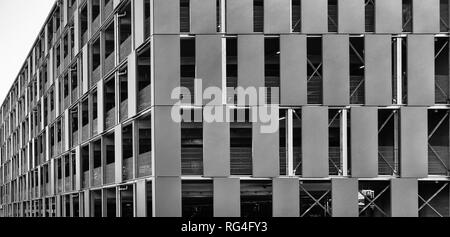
124	110
144	166
192	160
127	169
67	184
109	63
95	76
85	181
95	25
85	132
94	126
110	119
144	98
110	173
74	138
97	177
107	10
84	38
74	95
125	49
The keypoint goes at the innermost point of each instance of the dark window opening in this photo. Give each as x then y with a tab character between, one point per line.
256	199
434	199
296	15
123	93
127	152
332	16
197	199
374	199
109	48
272	70
441	71
95	15
187	71
313	193
96	61
74	122
85	166
184	16
85	119
192	146
438	142
97	162
110	194
126	201
334	140
144	166
407	15
144	79
370	15
110	103
357	70
315	66
147	20
232	72
125	28
110	159
84	25
258	15
241	139
96	203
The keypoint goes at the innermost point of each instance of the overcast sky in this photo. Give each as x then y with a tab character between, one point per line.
20	23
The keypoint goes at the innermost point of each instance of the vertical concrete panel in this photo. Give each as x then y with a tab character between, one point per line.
336	70
404	198
227	197
293	70
167	195
413	142
132	85
85	69
266	155
239	16
364	142
277	16
139	10
166	50
76	29
100	110
87	203
208	63
166	16
251	62
118	154
351	16
378	69
77	168
344	194
420	70
203	16
315	142
141	201
388	16
167	148
286	198
314	16
216	149
426	16
67	130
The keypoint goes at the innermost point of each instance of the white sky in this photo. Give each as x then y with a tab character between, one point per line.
20	23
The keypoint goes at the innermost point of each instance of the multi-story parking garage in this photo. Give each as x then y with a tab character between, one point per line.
361	88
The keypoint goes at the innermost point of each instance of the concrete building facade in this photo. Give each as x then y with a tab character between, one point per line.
361	89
